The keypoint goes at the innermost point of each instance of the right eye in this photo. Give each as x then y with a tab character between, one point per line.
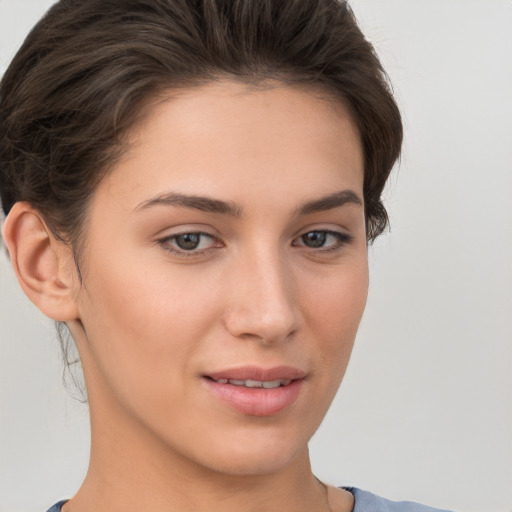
188	243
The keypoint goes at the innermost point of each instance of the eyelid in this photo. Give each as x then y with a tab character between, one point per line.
183	228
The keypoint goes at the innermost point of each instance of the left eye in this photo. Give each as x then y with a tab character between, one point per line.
322	239
188	242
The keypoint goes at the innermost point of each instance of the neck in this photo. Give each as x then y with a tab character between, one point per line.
131	482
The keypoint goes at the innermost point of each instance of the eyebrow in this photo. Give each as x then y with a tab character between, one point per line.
205	204
210	205
330	202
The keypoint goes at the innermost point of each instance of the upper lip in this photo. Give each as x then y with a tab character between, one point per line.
259	374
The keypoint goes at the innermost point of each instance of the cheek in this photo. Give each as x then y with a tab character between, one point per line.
338	299
334	309
145	298
141	326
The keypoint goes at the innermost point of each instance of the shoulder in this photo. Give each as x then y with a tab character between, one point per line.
57	507
367	502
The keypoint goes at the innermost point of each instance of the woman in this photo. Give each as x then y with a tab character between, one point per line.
190	187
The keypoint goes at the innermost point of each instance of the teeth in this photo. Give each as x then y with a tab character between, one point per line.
253	384
237	382
256	383
271	384
276	383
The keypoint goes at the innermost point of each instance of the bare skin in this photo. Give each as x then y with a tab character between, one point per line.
267	270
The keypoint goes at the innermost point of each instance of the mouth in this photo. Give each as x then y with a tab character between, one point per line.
267	384
255	391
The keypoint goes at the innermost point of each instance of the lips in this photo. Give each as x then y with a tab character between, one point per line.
259	374
257	391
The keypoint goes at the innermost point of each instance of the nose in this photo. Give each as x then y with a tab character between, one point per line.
263	302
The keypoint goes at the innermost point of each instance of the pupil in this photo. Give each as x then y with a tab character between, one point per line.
314	239
188	241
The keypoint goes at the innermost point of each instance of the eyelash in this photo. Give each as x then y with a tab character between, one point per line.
342	239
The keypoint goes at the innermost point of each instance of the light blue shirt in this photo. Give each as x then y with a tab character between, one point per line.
364	502
367	502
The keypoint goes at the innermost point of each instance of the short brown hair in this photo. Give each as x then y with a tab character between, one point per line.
79	81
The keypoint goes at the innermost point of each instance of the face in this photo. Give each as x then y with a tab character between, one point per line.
225	275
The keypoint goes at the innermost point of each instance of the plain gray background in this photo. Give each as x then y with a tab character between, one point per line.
425	411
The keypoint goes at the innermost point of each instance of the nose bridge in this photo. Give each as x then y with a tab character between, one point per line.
263	302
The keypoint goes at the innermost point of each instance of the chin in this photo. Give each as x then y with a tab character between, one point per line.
254	465
259	454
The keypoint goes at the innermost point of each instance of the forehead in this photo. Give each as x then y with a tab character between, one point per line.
230	138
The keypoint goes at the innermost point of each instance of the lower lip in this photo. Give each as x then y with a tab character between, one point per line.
256	401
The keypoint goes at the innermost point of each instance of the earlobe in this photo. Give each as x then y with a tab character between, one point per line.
43	264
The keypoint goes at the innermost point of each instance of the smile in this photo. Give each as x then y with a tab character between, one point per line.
256	383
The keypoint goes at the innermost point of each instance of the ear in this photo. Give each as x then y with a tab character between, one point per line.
43	265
